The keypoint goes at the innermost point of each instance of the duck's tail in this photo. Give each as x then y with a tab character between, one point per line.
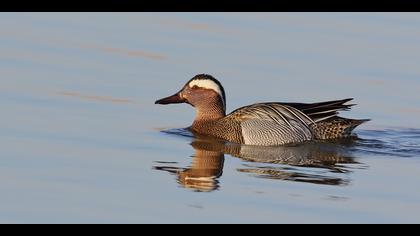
336	127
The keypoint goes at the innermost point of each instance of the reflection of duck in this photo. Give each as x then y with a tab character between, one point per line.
207	167
264	124
314	154
265	162
301	160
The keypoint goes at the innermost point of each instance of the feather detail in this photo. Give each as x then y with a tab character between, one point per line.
322	110
272	124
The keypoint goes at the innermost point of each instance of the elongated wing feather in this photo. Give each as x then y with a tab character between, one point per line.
321	110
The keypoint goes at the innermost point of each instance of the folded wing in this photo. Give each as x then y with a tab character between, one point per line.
272	124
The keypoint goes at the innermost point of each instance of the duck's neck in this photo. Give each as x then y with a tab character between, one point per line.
206	116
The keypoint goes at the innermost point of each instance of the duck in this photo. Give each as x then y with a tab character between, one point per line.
261	124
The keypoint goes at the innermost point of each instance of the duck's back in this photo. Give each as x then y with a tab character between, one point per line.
269	124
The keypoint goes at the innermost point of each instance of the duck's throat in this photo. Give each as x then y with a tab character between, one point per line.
209	113
206	118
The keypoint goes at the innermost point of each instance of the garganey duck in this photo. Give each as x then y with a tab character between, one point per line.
264	124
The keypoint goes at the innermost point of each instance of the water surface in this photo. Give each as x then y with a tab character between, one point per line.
82	142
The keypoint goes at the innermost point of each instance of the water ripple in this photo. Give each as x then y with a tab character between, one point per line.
404	142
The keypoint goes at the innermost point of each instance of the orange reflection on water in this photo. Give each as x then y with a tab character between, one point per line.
124	51
96	97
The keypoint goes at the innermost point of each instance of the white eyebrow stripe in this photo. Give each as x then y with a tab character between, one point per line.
207	84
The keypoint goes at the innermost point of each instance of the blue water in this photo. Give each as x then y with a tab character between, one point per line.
82	141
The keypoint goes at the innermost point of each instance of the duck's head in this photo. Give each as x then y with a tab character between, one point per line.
202	91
